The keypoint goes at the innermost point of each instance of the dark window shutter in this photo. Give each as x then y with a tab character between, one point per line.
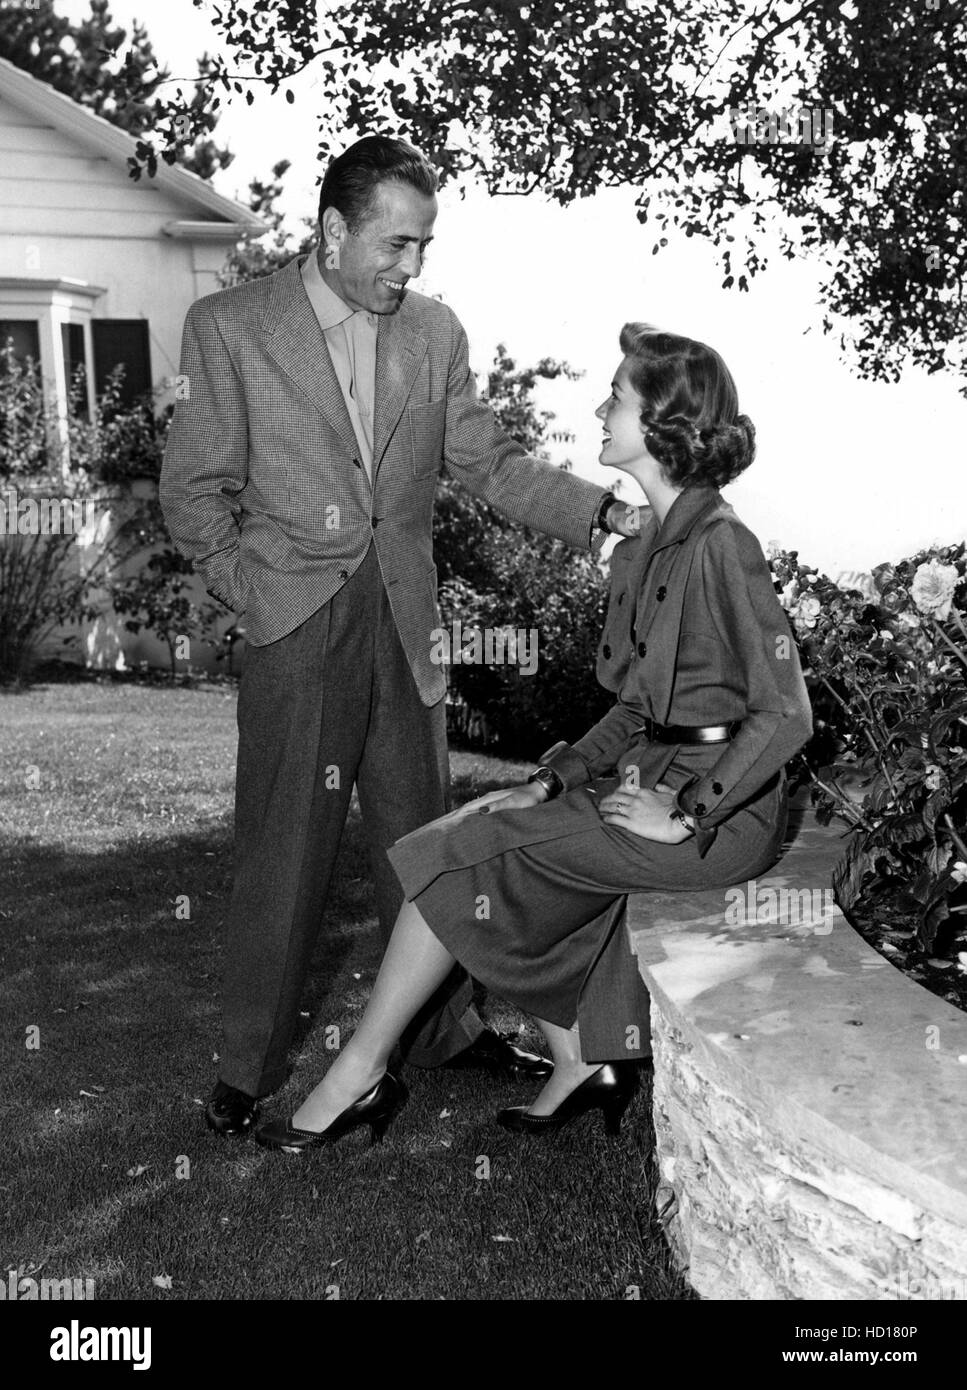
72	342
124	342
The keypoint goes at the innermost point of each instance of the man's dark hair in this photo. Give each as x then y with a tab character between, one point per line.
352	178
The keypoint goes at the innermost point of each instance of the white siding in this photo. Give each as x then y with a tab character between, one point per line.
67	212
42	168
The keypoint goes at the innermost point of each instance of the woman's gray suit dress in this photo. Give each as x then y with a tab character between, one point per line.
532	901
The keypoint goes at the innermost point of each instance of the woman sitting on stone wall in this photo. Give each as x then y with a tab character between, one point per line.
681	785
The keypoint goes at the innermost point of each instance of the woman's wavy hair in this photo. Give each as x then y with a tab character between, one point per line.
690	408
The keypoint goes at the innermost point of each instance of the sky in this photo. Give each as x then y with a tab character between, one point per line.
848	472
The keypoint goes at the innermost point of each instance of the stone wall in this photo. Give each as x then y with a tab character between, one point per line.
810	1101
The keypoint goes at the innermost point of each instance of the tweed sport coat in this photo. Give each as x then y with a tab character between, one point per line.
263	487
694	634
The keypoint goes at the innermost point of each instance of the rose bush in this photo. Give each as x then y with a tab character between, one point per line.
886	673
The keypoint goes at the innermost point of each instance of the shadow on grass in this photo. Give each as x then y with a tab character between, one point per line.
109	1174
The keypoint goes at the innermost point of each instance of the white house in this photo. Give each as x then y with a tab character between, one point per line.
96	268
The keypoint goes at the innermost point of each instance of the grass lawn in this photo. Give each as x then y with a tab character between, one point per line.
115	802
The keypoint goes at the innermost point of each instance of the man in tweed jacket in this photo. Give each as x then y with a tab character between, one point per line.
300	475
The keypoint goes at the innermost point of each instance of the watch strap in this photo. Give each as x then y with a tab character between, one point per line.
549	780
607	501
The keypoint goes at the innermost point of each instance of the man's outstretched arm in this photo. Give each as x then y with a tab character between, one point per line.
484	458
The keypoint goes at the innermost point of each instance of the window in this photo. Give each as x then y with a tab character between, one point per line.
72	342
25	335
122	342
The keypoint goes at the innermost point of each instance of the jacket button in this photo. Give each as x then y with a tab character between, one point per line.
642	648
343	574
700	808
375	520
662	591
606	652
717	788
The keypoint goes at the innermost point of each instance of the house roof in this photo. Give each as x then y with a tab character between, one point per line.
83	125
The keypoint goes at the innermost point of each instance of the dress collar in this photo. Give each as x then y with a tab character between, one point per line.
688	507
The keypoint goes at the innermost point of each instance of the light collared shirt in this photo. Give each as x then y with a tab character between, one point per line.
351	338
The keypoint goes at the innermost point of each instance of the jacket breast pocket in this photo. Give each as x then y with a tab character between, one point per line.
427	428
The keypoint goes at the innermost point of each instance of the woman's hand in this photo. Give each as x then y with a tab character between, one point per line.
507	799
644	812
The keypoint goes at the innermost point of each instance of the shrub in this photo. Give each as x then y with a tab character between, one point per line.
557	597
68	471
886	671
496	575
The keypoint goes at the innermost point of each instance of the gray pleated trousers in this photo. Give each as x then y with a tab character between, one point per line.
331	704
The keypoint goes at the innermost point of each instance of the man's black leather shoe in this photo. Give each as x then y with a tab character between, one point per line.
230	1111
493	1052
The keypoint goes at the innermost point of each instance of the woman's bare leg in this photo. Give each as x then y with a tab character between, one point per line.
569	1069
414	966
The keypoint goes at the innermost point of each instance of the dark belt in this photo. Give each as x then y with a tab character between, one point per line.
690	733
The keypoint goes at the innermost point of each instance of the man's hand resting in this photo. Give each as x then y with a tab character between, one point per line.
624	519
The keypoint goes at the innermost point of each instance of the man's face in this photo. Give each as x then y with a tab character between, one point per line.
375	263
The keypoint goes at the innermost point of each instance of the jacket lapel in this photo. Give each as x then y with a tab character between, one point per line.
296	342
642	553
689	515
400	348
683	525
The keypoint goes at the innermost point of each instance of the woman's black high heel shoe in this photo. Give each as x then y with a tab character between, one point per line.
376	1108
609	1090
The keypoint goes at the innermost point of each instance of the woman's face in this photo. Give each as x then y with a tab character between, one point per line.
624	441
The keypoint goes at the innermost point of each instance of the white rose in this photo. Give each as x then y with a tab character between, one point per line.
789	595
808	610
933	587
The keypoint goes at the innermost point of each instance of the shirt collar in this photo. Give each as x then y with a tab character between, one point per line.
329	308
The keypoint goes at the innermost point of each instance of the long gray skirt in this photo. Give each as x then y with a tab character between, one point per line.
532	902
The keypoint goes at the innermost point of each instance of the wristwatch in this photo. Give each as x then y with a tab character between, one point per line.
607	501
549	780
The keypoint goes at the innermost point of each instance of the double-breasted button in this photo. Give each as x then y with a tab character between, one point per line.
717	788
700	808
642	648
662	591
343	574
606	652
